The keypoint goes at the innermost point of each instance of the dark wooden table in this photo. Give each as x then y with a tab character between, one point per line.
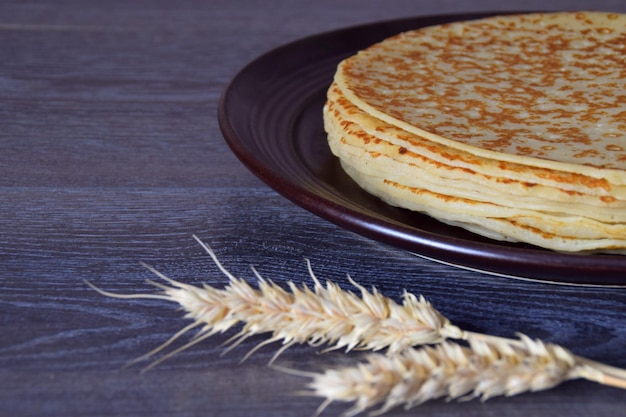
111	155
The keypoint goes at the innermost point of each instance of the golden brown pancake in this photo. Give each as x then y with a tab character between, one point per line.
514	142
545	90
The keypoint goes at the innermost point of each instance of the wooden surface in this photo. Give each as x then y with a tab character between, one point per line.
111	155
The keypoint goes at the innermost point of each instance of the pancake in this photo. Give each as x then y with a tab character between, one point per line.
404	165
465	214
519	143
543	90
344	113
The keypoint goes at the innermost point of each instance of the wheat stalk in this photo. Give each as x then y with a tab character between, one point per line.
484	369
339	319
322	315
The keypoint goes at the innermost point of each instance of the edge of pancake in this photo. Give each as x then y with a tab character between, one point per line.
339	110
376	155
499	228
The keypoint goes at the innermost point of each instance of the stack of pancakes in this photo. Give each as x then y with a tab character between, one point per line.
513	127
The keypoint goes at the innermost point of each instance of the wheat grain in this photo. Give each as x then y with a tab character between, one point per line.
322	315
328	315
448	370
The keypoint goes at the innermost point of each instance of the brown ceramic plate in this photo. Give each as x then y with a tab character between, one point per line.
270	115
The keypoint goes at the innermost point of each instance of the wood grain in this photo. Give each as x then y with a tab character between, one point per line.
111	156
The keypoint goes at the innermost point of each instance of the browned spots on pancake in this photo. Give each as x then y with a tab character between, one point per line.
537	231
421	191
501	84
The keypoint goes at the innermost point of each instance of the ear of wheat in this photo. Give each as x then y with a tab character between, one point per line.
448	370
326	315
322	315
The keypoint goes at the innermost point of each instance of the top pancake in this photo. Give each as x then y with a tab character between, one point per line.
543	90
